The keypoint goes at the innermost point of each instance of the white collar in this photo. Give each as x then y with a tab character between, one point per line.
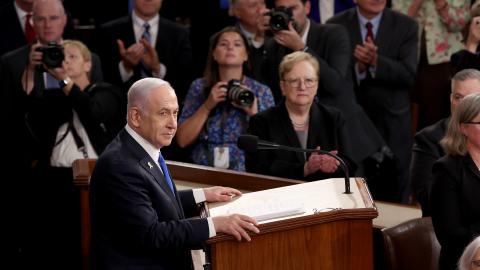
140	22
151	150
305	32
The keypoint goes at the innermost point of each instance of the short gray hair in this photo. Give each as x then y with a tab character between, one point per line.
468	254
140	91
59	4
454	142
466	74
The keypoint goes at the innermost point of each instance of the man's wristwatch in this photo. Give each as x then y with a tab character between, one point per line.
64	82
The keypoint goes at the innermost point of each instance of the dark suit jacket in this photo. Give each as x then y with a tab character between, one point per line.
172	46
455	206
11	32
137	223
330	45
464	59
326	129
425	151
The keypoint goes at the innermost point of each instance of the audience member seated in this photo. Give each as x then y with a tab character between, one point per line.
299	121
384	51
470	259
426	147
455	206
215	113
469	56
144	44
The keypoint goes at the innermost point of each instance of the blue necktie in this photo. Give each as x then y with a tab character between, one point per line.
166	174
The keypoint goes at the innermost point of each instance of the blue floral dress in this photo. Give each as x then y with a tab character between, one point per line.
225	123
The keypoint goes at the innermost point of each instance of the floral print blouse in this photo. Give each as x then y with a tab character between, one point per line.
443	34
225	123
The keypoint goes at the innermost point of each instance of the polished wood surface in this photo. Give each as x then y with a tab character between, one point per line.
339	245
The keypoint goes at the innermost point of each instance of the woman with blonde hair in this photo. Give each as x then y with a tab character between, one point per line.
456	183
470	259
299	121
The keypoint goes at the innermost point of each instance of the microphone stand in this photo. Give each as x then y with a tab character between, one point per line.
269	146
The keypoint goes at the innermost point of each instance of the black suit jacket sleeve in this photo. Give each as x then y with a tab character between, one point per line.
331	46
425	151
400	70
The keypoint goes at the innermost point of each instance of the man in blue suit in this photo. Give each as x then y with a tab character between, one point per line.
139	219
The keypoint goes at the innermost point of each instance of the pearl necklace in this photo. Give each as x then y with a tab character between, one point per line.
299	125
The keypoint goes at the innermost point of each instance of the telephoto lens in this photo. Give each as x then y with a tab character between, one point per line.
239	95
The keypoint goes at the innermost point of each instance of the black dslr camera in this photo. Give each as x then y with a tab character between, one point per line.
280	17
239	95
52	55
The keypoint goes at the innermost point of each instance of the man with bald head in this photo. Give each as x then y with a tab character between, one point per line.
139	218
427	149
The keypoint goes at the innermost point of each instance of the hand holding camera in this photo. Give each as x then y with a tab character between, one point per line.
233	91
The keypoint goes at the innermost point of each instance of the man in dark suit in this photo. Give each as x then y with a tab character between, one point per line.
143	44
330	46
426	147
13	17
139	219
384	61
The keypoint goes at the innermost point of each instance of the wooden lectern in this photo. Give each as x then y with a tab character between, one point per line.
334	230
325	238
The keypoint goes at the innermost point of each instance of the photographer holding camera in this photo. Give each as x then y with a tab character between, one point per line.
217	106
26	90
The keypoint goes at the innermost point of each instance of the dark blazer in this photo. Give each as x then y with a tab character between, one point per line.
326	129
11	32
172	46
425	151
464	59
455	206
137	223
330	45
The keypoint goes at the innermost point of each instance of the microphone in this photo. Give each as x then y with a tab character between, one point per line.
251	143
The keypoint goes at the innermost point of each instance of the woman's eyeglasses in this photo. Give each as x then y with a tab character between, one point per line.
309	82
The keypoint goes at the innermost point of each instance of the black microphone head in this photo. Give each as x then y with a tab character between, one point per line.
248	143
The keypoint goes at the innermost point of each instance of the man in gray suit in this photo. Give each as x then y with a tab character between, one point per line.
384	62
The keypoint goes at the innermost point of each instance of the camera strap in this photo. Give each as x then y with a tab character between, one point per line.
78	141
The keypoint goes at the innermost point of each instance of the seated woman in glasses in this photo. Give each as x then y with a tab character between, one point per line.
455	206
299	121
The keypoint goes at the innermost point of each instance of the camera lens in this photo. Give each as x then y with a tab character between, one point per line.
278	22
241	96
279	18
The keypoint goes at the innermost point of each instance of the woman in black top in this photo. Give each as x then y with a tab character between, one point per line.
455	203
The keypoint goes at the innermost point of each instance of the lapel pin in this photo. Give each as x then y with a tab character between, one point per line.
150	165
